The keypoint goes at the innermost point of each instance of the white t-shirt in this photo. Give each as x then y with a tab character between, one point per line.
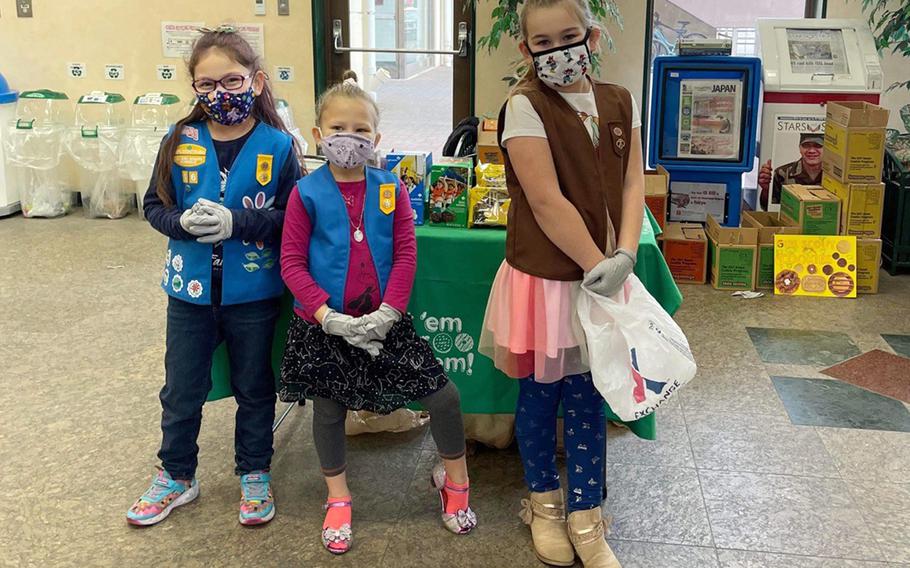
523	120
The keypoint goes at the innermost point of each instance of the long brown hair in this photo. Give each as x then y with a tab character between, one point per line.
237	48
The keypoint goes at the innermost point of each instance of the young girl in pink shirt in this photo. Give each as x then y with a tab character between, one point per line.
349	256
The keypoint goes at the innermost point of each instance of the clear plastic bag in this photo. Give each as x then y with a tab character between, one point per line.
33	160
95	151
401	420
639	356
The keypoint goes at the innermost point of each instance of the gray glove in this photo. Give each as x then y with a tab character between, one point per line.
351	330
198	223
378	323
225	220
608	276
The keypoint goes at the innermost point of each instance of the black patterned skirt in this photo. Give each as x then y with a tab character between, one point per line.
319	365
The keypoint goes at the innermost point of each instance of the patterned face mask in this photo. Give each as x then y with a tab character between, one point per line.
347	150
228	108
565	65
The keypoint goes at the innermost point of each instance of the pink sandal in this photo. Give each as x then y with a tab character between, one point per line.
463	520
337	540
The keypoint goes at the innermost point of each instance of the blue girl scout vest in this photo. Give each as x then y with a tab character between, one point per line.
250	269
330	240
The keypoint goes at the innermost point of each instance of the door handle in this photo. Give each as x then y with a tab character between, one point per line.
464	42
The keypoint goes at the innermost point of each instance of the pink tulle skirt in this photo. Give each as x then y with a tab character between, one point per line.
531	327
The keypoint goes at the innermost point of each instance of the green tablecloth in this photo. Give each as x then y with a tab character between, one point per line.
455	270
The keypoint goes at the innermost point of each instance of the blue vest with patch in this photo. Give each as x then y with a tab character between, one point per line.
330	240
250	269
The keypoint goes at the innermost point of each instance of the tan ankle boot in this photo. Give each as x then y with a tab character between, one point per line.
546	514
586	529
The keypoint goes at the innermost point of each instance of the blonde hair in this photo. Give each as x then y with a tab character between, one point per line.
581	8
348	88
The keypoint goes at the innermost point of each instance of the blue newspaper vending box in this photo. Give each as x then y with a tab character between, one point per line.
704	120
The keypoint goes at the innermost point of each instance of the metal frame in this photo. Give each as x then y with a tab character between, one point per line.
329	64
464	43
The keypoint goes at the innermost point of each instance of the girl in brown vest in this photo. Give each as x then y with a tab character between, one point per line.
572	148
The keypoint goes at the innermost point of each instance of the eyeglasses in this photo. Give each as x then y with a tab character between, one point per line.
229	83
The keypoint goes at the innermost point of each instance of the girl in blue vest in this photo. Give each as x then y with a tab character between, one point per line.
219	191
349	256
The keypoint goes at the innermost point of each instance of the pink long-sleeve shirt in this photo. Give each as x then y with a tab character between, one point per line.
361	292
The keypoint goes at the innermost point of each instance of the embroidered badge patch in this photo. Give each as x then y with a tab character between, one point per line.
189	155
387	198
264	168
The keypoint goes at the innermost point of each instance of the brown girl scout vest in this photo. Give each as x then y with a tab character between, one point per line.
591	179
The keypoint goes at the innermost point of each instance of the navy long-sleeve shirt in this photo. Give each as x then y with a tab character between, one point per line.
248	224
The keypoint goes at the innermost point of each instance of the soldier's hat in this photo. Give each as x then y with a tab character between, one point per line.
813	137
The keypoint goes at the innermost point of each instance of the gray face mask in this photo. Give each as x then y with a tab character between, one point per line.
347	150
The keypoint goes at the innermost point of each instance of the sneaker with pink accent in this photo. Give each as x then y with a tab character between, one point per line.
257	506
162	497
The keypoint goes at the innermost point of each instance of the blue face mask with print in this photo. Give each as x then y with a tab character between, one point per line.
228	108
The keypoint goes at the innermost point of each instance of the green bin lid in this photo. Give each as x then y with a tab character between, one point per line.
156	99
46	94
100	97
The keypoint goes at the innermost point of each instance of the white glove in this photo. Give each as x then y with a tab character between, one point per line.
351	330
608	276
198	223
225	221
378	323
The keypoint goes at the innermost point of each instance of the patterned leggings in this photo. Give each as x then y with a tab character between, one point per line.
585	435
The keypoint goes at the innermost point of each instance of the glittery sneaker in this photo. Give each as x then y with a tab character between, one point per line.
256	503
160	499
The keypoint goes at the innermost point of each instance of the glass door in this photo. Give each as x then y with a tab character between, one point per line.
413	56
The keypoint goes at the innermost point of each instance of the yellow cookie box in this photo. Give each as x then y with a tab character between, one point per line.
488	207
811	265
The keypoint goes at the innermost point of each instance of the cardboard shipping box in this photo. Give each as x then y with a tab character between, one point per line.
868	264
768	225
657	187
488	151
734	256
854	141
813	208
412	169
813	265
861	206
685	248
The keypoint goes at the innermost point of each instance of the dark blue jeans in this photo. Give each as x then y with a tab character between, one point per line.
193	333
585	429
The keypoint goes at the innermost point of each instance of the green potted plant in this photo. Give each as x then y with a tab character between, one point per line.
890	23
506	23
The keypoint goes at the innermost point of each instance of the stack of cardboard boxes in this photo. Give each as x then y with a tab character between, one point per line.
826	240
852	163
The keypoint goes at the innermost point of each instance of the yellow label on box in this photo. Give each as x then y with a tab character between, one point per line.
861	206
810	265
868	263
853	154
189	155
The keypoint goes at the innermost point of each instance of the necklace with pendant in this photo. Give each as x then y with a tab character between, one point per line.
358	234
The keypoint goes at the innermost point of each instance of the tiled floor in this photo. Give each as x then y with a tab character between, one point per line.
735	480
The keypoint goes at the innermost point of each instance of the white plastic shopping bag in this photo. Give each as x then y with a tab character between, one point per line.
639	356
